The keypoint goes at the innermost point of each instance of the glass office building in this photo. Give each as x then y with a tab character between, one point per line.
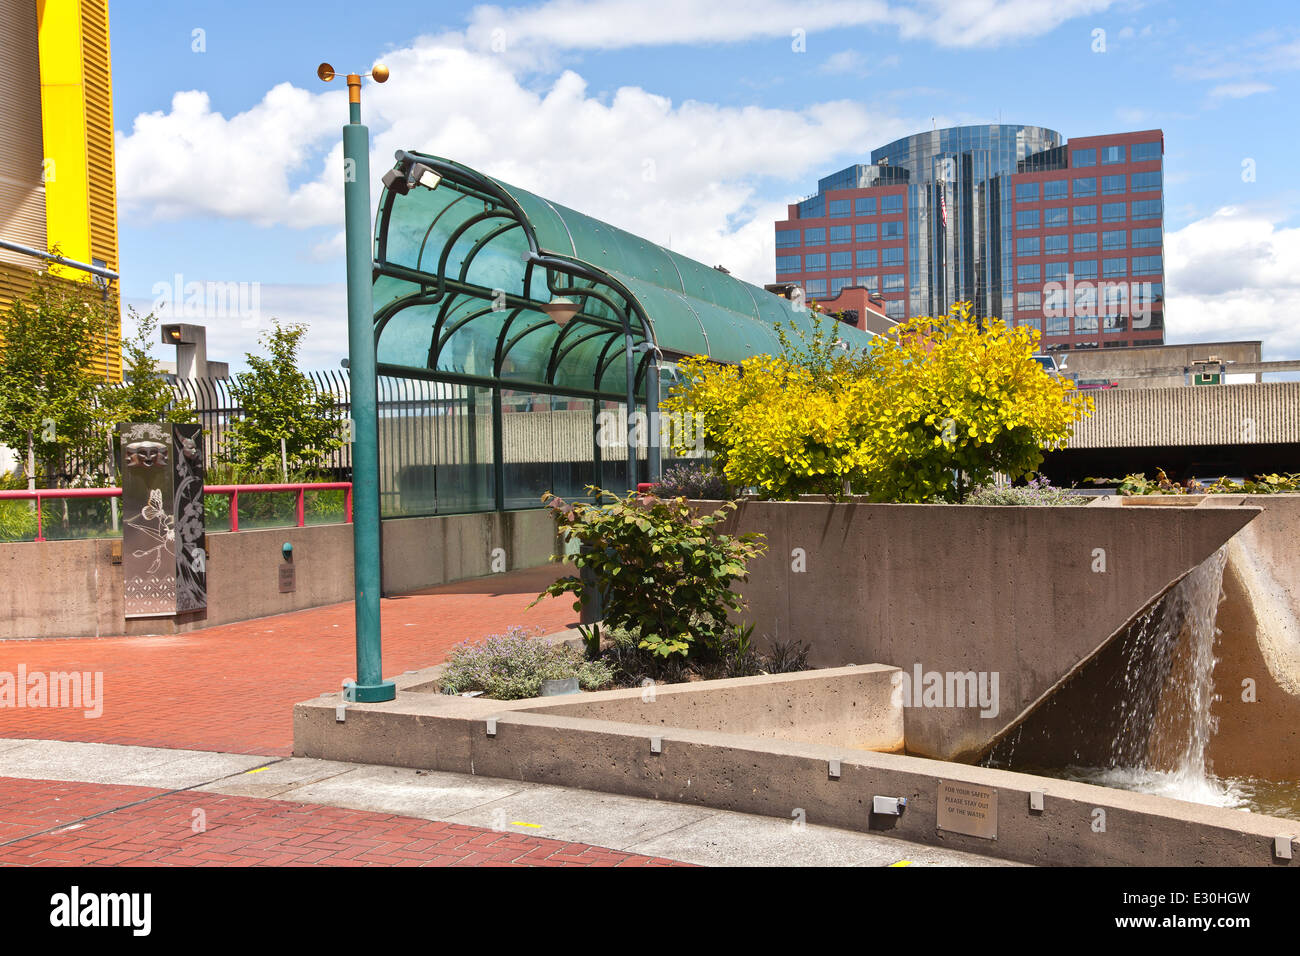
1064	237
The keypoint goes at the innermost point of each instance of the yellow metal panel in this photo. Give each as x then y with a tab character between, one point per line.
63	124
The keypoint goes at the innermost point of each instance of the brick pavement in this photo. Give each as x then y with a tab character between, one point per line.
231	688
55	823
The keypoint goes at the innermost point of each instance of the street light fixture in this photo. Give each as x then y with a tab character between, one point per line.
370	686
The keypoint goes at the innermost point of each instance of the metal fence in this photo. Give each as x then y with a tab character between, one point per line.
439	452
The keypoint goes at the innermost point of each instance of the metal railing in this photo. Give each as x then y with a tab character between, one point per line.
231	492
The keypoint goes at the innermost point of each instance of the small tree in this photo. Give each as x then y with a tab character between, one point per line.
280	404
47	391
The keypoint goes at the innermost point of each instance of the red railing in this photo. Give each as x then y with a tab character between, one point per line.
230	491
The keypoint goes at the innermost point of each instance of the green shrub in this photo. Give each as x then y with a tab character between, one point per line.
512	666
661	570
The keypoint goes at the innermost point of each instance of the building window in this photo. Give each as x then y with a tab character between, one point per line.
837	285
1085	324
1085	269
841	234
814	237
866	232
1027	247
1111	268
815	263
1110	185
1085	242
1054	301
1058	324
1055	189
866	258
1085	215
1147	265
1114	211
1146	209
787	264
1146	237
1027	219
1056	271
892	229
839	208
1113	296
1145	152
1027	192
891	256
1035	324
785	238
1085	299
1029	300
865	206
1056	216
891	204
1055	245
1111	155
870	283
1028	273
841	261
1085	187
1114	239
893	282
1147	293
896	309
1114	323
814	287
1146	182
1083	157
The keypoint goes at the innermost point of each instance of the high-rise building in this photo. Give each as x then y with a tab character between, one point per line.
57	182
1064	237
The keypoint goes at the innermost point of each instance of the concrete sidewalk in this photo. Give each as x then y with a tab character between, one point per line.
490	821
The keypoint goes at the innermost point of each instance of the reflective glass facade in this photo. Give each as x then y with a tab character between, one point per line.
974	211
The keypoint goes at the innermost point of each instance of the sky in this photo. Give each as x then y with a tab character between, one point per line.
693	124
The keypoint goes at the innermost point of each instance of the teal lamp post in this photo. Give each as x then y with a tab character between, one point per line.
370	685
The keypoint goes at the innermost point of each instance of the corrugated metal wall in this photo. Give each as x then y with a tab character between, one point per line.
1267	412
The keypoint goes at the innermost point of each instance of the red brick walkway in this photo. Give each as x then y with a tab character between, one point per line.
232	688
52	823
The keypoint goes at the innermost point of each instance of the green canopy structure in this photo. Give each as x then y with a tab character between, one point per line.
489	287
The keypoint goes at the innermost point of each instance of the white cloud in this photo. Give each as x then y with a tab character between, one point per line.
688	170
851	62
618	24
1237	91
323	308
1235	275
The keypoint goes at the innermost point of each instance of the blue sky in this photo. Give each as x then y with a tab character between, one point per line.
234	180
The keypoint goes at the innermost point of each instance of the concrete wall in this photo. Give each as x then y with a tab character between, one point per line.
776	777
849	706
1020	593
54	589
1116	363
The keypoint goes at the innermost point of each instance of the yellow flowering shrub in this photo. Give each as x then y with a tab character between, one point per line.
931	410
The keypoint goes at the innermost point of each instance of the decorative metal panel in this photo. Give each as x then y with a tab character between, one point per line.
163	561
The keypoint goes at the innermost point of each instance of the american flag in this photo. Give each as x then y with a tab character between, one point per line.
943	205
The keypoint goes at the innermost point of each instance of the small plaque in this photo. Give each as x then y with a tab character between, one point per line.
288	580
968	808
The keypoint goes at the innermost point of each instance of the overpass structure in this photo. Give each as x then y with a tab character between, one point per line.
1203	432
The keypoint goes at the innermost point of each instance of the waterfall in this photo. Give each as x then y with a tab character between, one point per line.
1168	694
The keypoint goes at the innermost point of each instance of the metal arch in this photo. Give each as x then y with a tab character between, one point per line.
554	365
474	251
504	352
501	337
419	258
495	213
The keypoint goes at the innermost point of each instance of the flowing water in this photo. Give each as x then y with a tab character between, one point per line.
1168	694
